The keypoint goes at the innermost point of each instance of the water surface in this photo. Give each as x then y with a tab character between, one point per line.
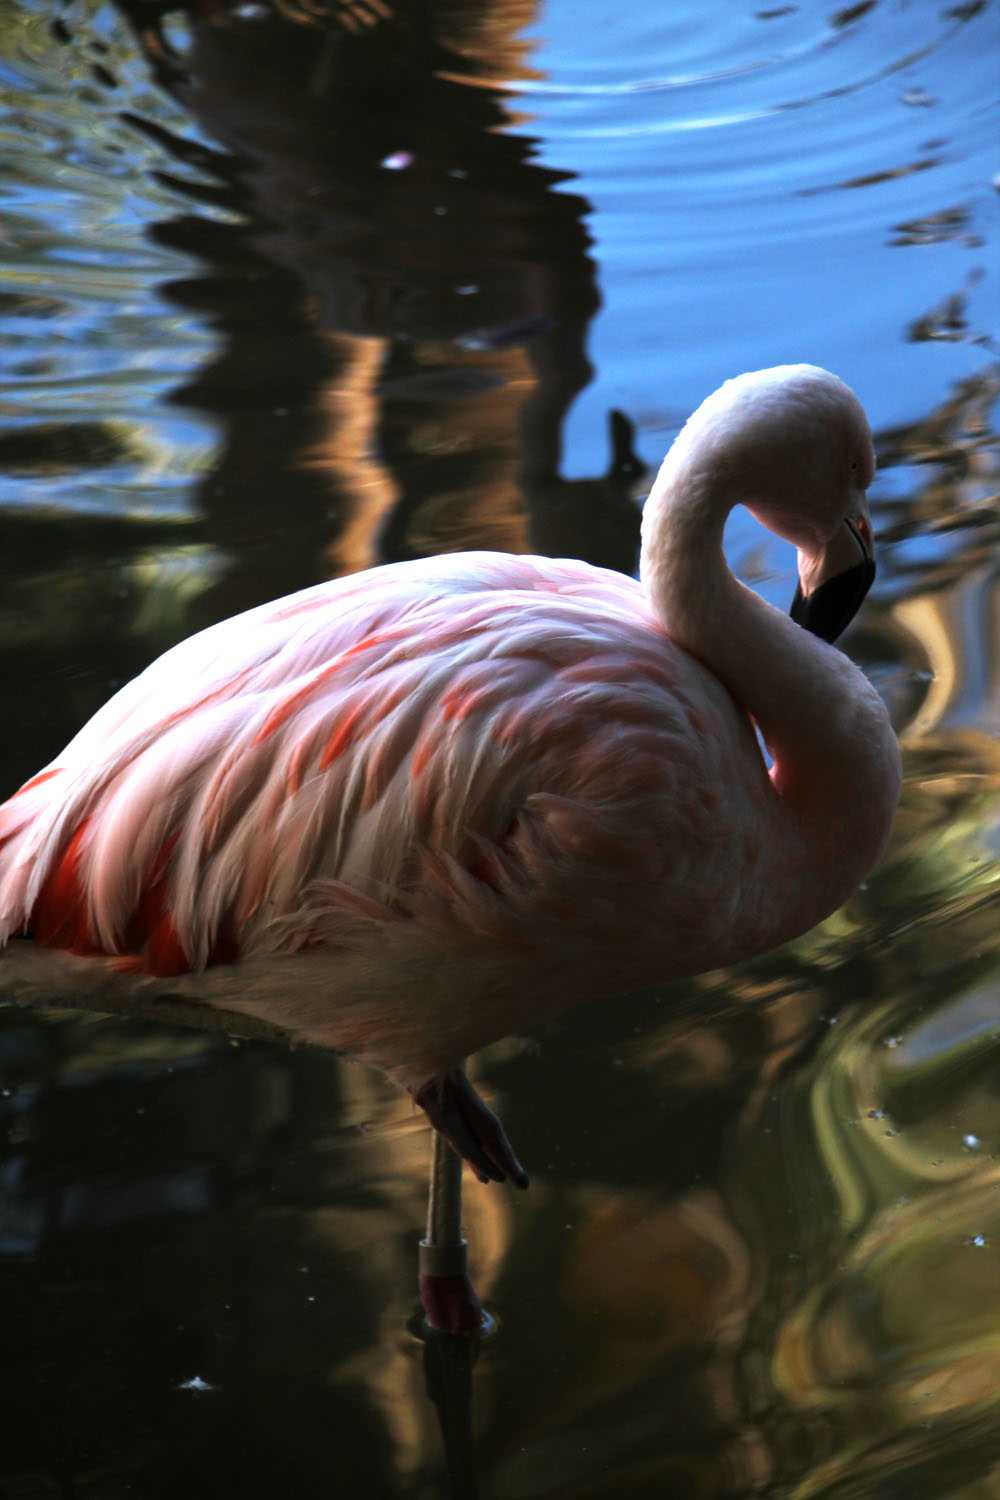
283	296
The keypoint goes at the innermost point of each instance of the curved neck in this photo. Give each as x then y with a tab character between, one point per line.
835	759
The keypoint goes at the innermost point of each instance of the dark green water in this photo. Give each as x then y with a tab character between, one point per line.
281	297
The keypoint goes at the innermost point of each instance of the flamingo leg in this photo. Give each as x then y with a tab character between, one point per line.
450	1302
463	1118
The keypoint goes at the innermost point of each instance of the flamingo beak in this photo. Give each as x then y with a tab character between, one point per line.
833	584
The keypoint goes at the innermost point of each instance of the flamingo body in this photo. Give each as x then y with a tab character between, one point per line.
460	793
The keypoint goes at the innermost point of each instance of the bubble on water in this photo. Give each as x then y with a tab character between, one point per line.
398	161
918	98
876	1114
196	1383
469	290
251	10
978	1240
893	1041
970	1142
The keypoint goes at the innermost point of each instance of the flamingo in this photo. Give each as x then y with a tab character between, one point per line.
417	808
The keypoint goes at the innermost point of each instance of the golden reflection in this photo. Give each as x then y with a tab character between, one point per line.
653	1295
345	453
931	619
682	1276
378	1234
887	1323
916	1299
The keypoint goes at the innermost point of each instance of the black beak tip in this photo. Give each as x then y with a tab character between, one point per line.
830	609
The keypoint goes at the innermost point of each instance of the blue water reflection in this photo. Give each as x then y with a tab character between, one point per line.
282	296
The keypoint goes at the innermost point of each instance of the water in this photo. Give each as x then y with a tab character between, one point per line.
281	299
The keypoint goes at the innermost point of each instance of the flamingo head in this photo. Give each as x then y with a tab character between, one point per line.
793	444
837	564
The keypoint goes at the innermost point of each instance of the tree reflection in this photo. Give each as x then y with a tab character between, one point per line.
426	288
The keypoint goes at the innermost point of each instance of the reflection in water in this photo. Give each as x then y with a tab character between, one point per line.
242	351
892	1129
432	293
399	298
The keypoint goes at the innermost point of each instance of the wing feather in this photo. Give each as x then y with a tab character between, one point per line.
458	745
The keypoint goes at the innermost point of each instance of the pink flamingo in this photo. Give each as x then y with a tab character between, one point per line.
418	808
